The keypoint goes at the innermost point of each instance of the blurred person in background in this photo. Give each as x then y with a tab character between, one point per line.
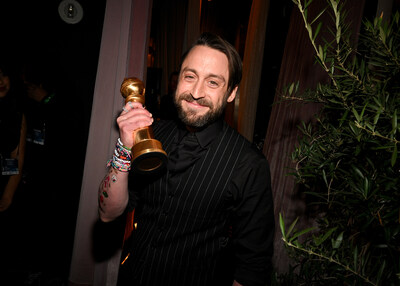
13	213
12	134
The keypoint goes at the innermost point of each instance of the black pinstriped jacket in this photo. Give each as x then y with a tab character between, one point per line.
208	222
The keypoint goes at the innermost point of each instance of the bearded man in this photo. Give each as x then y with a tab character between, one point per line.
207	217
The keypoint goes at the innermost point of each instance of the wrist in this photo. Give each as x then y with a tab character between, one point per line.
122	157
127	141
119	142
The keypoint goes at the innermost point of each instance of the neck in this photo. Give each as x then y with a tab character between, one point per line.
191	129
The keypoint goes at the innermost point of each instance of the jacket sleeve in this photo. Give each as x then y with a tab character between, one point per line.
253	222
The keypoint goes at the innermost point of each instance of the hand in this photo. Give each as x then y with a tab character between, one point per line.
133	117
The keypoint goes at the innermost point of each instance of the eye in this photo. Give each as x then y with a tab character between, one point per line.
213	83
189	77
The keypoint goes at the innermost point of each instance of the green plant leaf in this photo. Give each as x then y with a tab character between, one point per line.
351	145
380	272
377	115
354	128
300	233
282	225
309	29
291	87
357	116
338	241
394	156
366	187
355	257
370	127
363	111
291	227
324	177
396	17
307	3
358	171
344	117
394	122
318	16
382	34
319	240
320	52
317	31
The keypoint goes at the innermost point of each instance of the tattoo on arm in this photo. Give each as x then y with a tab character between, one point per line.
111	177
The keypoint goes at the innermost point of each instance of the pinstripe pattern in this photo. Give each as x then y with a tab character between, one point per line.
183	218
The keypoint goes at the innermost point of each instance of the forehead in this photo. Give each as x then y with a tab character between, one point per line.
206	60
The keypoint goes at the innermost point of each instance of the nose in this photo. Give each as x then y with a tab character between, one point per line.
197	90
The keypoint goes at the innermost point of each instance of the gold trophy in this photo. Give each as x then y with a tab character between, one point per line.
147	152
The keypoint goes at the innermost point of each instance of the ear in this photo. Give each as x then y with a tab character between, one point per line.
232	95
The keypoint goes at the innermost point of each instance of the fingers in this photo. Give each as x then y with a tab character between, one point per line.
134	112
131	105
132	117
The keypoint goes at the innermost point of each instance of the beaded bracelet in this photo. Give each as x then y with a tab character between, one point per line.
119	142
121	158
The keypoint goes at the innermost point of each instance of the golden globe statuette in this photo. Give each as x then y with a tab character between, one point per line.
147	152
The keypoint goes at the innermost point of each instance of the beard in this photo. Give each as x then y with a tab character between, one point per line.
190	118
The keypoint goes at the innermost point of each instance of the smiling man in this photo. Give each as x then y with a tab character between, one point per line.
207	218
202	92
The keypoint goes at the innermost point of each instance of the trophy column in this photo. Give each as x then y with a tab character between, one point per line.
147	152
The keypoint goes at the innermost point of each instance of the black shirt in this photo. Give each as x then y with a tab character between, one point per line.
10	131
213	204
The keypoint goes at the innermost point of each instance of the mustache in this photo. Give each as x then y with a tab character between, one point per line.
189	98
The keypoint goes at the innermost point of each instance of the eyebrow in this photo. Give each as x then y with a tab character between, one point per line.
209	75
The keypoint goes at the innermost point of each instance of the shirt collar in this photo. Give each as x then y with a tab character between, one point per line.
204	136
208	134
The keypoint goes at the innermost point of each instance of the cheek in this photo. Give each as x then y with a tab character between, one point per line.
182	87
218	99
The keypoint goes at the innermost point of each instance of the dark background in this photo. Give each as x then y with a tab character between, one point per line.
32	31
45	209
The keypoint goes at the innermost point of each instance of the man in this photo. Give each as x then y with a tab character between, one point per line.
213	199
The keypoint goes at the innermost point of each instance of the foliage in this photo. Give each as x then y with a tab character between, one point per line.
347	160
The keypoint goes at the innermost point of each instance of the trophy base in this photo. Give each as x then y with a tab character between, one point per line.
148	156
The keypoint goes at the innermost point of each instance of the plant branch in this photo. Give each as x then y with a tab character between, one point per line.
373	133
330	259
318	52
349	73
392	57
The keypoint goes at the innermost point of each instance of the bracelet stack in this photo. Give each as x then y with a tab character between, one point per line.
122	157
